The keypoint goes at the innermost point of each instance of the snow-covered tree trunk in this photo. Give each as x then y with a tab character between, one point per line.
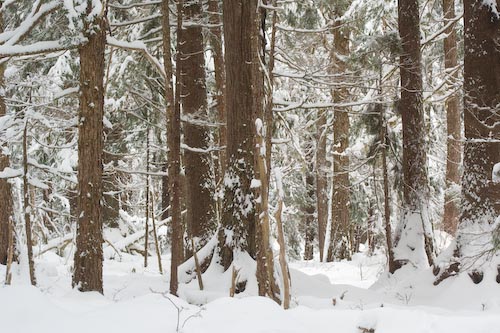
309	209
321	182
453	120
341	230
415	241
481	178
87	274
265	258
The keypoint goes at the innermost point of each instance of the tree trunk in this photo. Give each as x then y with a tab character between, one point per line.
200	216
481	180
146	224
341	233
265	258
27	207
174	137
215	41
391	263
453	120
243	100
321	183
415	242
285	272
87	274
309	208
6	212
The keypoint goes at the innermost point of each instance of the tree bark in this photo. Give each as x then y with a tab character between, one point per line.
341	233
87	275
415	242
27	207
309	208
480	191
265	257
480	183
391	262
6	212
285	272
215	40
453	120
200	218
174	137
146	224
321	183
243	100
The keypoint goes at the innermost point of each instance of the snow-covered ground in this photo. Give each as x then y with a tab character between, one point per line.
342	297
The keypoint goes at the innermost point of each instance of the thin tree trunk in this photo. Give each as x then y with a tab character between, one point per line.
87	274
268	115
453	120
146	224
309	208
6	211
265	257
215	40
341	233
155	234
165	194
281	241
10	254
392	264
26	206
321	183
415	222
200	217
174	137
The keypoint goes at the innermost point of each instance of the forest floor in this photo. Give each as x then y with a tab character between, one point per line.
343	297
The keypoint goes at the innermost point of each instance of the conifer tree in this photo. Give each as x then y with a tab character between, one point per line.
87	274
200	217
415	243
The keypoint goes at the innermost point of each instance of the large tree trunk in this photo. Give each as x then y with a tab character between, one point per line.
321	183
481	180
87	274
453	120
415	242
243	100
341	233
199	203
5	188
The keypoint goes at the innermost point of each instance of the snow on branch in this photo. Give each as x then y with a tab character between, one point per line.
138	46
34	48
